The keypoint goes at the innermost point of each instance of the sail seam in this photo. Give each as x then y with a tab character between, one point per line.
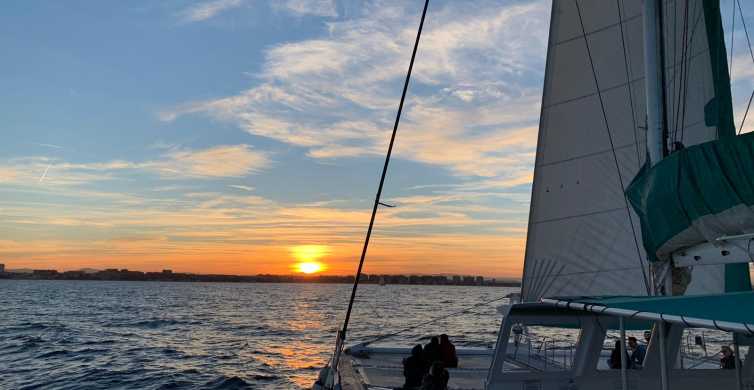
612	145
636	80
592	272
597	31
578	215
581	156
617	148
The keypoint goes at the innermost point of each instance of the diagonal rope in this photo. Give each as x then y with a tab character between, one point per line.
377	338
343	331
612	147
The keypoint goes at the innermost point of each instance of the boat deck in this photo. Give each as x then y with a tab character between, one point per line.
379	368
382	368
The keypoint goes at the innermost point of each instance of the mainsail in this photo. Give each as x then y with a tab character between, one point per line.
583	238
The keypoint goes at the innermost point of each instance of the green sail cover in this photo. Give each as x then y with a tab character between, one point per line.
695	195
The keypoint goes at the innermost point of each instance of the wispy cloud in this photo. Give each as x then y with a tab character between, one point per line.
334	96
220	161
53	146
187	229
308	7
241	187
208	9
174	163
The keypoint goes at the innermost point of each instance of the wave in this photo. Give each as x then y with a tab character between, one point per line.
226	383
59	352
151	323
262	377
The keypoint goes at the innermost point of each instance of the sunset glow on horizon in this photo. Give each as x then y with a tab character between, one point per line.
247	137
309	267
308	256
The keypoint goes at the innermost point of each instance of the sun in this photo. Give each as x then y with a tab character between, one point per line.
307	258
309	268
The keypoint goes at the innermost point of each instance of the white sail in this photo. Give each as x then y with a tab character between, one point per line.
583	239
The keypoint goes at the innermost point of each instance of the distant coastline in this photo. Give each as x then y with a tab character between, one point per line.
170	276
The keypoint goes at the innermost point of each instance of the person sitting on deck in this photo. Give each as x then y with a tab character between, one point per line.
414	368
437	378
615	359
728	361
448	352
432	351
638	352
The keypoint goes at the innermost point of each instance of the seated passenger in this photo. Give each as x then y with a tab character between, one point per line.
414	368
437	379
432	351
448	352
615	361
727	361
638	352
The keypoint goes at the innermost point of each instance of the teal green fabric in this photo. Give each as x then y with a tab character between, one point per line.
697	181
731	307
718	111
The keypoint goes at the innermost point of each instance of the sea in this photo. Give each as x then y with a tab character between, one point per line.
155	335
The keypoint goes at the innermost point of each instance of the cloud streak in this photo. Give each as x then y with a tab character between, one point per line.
208	9
176	163
478	72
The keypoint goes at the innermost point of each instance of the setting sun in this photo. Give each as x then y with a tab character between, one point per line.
309	268
307	257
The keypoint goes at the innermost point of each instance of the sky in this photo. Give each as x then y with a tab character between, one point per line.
244	136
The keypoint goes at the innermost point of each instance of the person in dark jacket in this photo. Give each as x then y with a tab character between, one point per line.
615	361
727	361
638	352
432	351
414	368
448	352
437	378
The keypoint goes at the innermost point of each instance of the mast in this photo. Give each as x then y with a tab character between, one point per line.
655	90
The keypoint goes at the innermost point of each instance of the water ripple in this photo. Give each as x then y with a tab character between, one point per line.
139	335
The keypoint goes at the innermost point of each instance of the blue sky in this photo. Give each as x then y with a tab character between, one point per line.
215	136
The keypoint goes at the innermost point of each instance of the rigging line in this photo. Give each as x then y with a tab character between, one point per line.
420	324
686	63
751	53
628	80
663	83
344	329
612	146
675	61
679	79
686	73
745	113
746	31
732	46
732	38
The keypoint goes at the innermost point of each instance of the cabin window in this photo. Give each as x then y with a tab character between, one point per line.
542	348
635	347
704	349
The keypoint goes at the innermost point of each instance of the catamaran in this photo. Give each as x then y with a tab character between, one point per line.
641	213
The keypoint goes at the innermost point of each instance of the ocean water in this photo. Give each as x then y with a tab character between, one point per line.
149	335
